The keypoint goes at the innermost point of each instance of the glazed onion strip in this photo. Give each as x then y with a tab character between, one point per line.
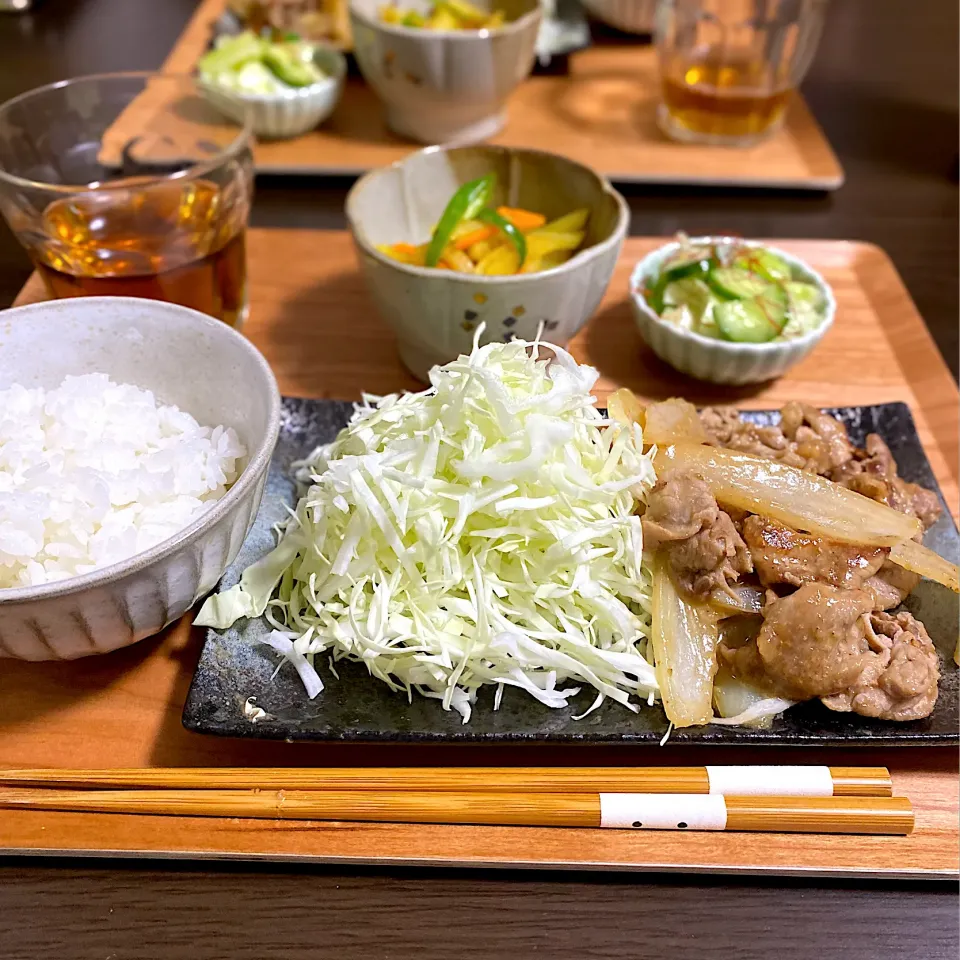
684	637
741	599
917	558
795	497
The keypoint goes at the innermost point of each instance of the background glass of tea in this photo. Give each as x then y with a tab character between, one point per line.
727	67
129	185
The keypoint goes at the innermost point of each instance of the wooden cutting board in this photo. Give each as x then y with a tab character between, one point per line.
601	114
314	322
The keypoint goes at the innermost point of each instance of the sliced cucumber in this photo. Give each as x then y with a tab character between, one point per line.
744	321
686	263
805	294
734	284
806	308
767	264
690	292
773	302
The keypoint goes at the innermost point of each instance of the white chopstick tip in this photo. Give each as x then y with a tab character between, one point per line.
663	811
771	781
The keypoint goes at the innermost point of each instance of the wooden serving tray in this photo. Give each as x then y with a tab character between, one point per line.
602	114
314	322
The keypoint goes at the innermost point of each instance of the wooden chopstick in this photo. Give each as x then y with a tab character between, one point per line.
774	780
859	815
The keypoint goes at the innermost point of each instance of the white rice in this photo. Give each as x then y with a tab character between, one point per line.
94	472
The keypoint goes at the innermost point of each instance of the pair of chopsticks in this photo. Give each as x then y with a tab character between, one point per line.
781	799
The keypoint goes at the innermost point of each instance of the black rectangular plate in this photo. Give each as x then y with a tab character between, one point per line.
356	707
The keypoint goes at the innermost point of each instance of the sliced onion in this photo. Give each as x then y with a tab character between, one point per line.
624	406
666	421
759	714
740	703
684	637
917	558
798	498
673	421
742	599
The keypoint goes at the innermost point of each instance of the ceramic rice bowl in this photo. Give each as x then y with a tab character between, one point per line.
185	358
436	313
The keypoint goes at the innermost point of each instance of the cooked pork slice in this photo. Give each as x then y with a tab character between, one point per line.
823	641
784	555
805	437
873	473
891	585
725	429
901	683
812	642
703	549
819	438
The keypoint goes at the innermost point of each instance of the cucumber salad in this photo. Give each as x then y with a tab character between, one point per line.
735	291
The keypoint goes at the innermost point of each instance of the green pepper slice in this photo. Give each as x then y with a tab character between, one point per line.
507	228
465	204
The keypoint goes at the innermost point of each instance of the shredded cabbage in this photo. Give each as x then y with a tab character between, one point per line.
479	532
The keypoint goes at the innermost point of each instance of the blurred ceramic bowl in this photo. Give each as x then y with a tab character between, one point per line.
436	313
185	358
287	113
723	361
631	16
445	86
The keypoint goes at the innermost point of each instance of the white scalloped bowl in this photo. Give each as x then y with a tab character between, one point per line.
185	358
287	113
722	361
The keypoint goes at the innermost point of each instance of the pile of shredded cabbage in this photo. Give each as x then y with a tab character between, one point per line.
480	532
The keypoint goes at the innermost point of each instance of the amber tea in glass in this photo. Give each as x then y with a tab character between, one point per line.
152	201
727	67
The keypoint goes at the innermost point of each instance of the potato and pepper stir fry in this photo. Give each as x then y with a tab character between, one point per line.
445	15
474	237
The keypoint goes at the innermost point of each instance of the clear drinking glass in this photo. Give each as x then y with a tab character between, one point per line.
129	184
727	67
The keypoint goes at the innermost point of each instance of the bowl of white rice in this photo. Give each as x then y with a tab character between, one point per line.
135	438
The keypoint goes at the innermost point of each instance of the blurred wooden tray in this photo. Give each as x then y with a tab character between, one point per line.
601	114
313	320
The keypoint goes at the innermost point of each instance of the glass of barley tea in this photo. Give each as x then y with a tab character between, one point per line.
129	185
728	67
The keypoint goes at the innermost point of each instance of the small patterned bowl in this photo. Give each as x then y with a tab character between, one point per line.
445	86
631	16
436	312
185	358
289	113
722	361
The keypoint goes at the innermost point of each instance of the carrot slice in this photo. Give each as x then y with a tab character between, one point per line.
406	249
522	219
475	236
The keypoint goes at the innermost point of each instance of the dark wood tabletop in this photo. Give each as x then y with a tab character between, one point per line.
884	87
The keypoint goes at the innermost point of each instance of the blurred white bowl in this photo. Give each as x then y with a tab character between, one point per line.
631	16
722	361
185	358
287	113
445	86
436	312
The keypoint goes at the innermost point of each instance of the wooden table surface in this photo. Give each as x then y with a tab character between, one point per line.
884	88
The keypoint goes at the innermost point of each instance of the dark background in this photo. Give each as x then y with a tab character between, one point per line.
885	88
